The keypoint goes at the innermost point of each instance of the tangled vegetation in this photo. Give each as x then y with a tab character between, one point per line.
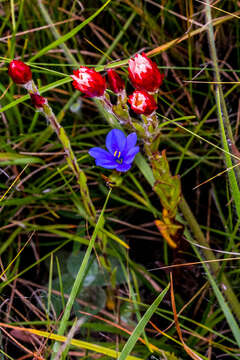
119	192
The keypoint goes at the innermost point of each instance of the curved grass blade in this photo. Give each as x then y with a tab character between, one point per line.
41	90
70	34
141	325
79	278
222	302
78	343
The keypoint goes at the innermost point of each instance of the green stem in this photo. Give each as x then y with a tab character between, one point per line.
45	13
234	177
209	255
71	160
214	58
46	110
223	118
79	279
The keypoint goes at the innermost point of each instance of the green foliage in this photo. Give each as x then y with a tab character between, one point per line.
46	232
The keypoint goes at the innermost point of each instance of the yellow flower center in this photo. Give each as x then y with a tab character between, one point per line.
118	154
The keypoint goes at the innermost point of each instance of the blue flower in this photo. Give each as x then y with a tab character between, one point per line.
121	151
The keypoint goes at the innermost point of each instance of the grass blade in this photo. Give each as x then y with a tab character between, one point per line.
79	278
78	343
222	302
70	34
141	325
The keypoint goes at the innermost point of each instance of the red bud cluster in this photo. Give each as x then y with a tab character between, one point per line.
117	85
144	73
142	102
145	77
88	81
19	72
38	100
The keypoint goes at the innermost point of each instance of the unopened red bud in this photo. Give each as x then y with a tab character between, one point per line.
38	100
116	84
142	102
19	72
88	81
144	73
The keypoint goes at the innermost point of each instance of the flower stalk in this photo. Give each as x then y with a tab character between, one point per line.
147	79
46	110
167	188
21	74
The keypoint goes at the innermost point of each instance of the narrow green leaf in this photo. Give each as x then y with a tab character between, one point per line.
79	278
231	174
145	169
224	306
70	34
17	159
141	325
41	90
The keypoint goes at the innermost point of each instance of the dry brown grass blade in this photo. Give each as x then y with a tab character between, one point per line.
217	8
37	29
190	34
14	182
189	351
213	177
35	356
167	267
18	254
118	326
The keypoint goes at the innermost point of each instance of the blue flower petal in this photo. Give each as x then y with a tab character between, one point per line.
130	141
100	154
123	167
106	164
115	141
129	157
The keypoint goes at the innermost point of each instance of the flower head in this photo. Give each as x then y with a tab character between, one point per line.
116	84
88	81
144	73
19	72
121	151
38	100
142	102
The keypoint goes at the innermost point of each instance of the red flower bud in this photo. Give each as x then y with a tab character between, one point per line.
144	73
142	103
115	82
38	100
19	72
88	81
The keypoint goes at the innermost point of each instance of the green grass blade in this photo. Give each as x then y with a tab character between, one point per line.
141	325
223	117
70	34
79	278
145	168
231	174
81	344
50	285
41	90
223	304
